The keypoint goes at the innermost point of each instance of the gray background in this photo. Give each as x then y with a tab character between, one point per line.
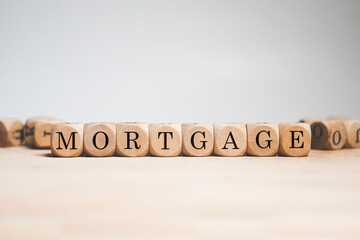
179	61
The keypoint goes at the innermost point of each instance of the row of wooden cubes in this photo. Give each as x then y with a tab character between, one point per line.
140	139
168	140
334	133
326	134
35	133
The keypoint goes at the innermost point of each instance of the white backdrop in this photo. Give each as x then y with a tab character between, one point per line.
179	61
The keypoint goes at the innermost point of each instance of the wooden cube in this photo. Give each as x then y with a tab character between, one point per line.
99	139
352	129
11	132
67	139
230	139
198	139
42	132
328	134
165	139
132	139
29	130
263	139
295	139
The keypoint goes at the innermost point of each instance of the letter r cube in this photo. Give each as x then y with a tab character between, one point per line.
132	139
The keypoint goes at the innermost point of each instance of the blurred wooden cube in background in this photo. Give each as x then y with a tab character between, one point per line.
29	130
328	134
42	132
11	132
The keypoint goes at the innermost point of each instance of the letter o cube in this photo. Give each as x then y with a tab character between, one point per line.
198	139
165	139
67	139
263	139
295	139
328	134
99	139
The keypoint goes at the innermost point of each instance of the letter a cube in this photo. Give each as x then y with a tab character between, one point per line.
230	139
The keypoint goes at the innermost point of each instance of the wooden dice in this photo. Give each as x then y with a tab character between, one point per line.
295	139
198	139
132	139
263	139
42	132
29	130
100	139
328	134
165	139
352	129
230	139
11	132
67	139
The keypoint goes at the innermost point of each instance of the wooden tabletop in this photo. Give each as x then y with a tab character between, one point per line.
43	197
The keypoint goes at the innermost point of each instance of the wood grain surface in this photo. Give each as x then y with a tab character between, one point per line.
44	197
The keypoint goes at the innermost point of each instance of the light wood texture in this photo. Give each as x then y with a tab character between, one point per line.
165	139
352	128
132	139
29	130
230	139
67	139
99	139
263	139
42	132
11	132
295	139
328	134
309	120
49	198
198	139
